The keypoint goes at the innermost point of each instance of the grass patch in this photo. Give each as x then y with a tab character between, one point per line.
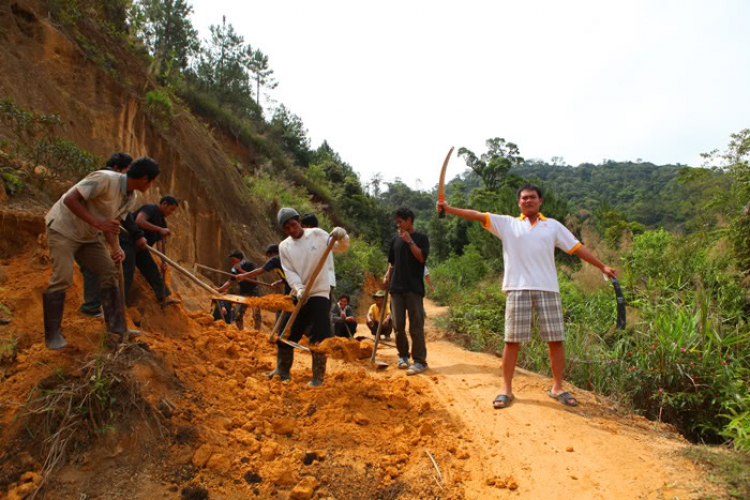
729	469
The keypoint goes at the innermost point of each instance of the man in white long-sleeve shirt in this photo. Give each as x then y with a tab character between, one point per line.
300	254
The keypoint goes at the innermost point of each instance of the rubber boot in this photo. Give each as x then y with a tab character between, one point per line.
113	312
319	361
284	360
53	304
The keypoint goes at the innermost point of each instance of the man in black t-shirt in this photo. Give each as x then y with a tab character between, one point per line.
272	265
405	277
240	267
152	220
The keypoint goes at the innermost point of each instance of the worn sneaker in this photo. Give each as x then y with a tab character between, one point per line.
416	368
403	363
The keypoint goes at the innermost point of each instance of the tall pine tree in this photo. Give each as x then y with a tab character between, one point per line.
169	35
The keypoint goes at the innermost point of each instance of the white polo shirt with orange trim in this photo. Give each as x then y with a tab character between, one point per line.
529	251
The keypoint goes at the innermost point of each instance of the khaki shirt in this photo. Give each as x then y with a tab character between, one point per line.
106	197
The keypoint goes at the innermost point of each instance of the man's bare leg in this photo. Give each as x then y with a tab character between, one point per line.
510	356
557	360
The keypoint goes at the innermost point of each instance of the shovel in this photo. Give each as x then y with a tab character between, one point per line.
379	365
274	332
214	295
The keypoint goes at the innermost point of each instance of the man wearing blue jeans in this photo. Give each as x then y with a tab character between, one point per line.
405	279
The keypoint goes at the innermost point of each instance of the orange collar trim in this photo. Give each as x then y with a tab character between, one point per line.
541	217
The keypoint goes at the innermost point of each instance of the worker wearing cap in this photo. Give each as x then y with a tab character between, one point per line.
373	315
300	254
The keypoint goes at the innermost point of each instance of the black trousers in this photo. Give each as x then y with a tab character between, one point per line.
316	315
411	303
343	328
385	331
145	263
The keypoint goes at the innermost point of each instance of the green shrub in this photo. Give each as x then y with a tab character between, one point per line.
684	357
352	266
458	273
272	193
159	108
12	183
479	320
34	139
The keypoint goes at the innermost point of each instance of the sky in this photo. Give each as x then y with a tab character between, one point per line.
392	85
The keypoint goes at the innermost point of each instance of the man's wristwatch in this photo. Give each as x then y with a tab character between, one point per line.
410	242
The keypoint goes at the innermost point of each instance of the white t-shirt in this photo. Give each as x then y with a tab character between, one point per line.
529	251
105	196
300	257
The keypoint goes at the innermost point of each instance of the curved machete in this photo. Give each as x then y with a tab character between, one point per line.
620	304
441	185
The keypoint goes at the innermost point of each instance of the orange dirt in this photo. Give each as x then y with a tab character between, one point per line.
226	427
271	302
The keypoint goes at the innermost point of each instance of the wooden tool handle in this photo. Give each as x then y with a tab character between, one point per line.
380	326
182	270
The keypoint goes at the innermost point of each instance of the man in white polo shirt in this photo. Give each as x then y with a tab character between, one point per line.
530	282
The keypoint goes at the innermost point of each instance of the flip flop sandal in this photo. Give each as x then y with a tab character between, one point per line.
502	401
565	398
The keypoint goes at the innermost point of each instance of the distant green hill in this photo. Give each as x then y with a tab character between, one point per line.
654	195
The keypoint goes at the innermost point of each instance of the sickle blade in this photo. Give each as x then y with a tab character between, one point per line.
441	185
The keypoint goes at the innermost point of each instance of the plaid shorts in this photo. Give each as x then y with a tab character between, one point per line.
518	312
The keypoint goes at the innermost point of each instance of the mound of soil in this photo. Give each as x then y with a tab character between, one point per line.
222	428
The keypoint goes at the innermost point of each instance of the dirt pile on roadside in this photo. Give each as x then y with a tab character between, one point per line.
223	426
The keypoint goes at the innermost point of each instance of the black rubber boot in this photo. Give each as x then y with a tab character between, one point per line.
284	360
53	304
319	361
113	312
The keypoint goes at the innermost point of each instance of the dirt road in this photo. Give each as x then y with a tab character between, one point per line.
549	450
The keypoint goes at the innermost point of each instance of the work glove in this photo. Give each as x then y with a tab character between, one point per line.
298	292
338	233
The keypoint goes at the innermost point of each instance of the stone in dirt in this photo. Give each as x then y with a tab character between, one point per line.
360	419
194	493
426	429
219	462
284	425
252	477
269	451
305	489
202	454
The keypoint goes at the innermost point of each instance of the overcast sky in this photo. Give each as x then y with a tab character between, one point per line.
392	85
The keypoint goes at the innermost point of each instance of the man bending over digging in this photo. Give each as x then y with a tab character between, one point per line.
300	254
77	226
530	282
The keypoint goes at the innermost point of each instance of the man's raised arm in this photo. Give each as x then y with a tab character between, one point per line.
464	213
